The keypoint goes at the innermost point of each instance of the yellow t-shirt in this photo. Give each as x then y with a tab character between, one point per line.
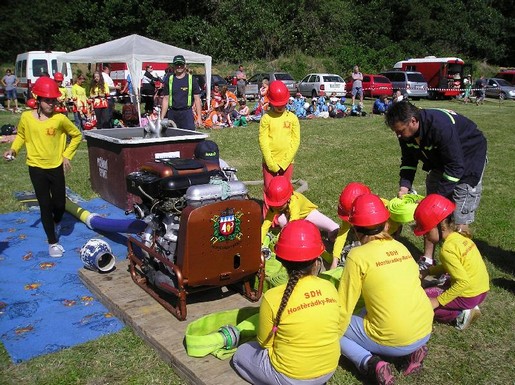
307	342
46	140
298	208
279	139
386	275
79	96
460	258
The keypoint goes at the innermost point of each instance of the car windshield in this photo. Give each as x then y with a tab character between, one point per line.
416	78
333	78
283	77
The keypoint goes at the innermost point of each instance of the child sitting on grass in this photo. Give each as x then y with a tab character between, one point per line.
459	257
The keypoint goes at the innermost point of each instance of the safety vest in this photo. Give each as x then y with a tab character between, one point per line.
190	90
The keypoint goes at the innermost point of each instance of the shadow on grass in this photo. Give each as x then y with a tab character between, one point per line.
503	259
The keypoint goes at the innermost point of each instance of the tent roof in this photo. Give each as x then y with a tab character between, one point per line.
134	50
121	50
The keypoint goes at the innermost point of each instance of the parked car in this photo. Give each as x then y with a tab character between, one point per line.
508	74
254	82
373	85
2	96
499	88
409	82
314	85
215	79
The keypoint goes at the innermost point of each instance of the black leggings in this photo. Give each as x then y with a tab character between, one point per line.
50	189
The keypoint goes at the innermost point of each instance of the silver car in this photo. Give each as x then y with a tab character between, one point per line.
254	83
314	85
499	88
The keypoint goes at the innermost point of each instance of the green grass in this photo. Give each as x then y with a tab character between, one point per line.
333	152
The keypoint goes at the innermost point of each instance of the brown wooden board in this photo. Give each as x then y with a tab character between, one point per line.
162	330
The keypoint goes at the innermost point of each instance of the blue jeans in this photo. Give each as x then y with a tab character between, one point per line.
357	346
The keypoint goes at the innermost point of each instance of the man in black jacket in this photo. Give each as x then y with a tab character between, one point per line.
453	152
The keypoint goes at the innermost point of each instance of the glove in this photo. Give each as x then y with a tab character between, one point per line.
165	122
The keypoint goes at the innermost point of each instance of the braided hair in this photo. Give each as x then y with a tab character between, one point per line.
296	270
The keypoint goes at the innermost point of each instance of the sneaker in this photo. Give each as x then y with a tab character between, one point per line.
467	317
55	250
415	361
425	263
381	371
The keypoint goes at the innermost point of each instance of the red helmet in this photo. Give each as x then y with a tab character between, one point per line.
31	103
278	94
46	88
278	192
58	77
368	210
299	241
430	212
349	193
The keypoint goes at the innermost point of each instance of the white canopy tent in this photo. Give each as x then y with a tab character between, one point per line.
134	50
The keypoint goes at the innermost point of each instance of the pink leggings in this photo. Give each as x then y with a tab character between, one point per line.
321	221
451	311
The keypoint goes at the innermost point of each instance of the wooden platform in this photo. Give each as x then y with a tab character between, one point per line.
159	328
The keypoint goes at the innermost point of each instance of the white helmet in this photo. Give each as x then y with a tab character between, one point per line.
306	105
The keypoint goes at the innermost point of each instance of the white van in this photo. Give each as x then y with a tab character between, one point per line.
31	65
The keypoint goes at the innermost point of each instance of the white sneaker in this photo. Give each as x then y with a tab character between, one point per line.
466	317
55	250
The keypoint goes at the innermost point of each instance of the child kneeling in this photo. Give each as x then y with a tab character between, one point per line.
459	257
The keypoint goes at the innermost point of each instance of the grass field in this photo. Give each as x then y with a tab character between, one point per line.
333	152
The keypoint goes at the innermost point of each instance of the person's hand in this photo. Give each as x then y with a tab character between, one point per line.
66	165
10	155
402	191
199	122
434	303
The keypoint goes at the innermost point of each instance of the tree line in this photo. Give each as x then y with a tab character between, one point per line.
374	33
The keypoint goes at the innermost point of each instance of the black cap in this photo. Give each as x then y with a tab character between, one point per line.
208	151
179	59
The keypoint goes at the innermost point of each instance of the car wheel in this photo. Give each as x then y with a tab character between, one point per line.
314	94
502	95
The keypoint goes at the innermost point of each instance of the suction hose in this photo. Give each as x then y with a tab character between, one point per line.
97	222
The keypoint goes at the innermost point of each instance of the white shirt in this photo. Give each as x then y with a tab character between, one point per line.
110	83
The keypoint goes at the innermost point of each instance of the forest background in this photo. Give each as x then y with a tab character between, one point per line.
340	33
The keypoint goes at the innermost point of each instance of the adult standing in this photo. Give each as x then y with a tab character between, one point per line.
398	316
148	88
357	85
241	79
44	134
10	81
453	152
480	88
106	74
181	94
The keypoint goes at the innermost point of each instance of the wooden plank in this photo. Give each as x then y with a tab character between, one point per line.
159	328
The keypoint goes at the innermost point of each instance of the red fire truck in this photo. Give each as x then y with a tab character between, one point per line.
443	74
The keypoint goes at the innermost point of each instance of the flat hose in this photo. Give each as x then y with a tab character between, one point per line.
402	209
